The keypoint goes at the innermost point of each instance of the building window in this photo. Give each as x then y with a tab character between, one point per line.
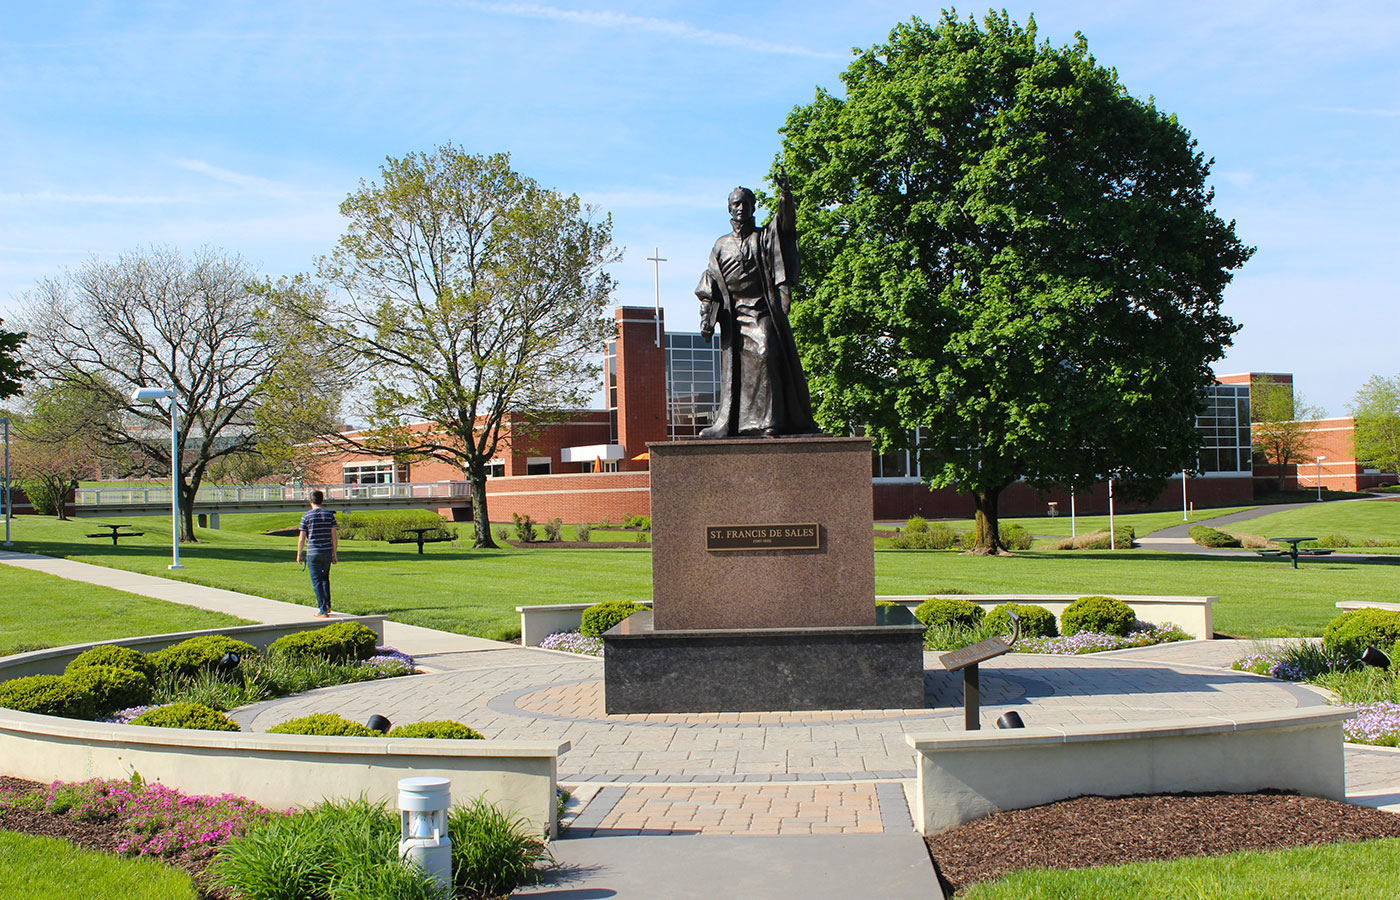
537	465
1224	429
383	472
495	469
609	465
692	384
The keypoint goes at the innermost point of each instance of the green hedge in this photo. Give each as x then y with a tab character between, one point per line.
1105	615
1036	621
944	611
1210	537
384	526
1356	629
442	730
339	642
112	655
186	715
49	695
198	653
599	617
113	687
323	724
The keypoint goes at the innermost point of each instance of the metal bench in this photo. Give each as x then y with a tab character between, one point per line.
967	660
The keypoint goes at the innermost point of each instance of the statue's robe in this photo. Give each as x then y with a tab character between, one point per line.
745	291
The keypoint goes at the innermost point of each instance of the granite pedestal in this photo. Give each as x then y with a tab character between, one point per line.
763	587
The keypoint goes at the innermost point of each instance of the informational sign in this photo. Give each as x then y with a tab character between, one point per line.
763	537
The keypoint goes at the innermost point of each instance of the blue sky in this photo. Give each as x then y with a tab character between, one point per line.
242	126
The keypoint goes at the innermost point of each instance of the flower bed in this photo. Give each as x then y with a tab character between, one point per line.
1375	723
1097	642
573	642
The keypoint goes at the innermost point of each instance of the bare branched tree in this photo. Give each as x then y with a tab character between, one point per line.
156	318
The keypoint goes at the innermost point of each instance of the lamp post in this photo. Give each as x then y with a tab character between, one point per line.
1185	515
150	395
6	500
1320	461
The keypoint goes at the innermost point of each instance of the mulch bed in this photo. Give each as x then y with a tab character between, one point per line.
1110	831
99	836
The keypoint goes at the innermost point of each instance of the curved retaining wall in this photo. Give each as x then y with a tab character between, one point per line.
277	770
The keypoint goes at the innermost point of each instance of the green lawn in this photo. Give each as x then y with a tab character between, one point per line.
1355	519
476	592
38	610
1143	523
56	870
1367	869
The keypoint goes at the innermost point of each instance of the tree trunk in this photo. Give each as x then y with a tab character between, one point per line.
988	534
476	474
187	492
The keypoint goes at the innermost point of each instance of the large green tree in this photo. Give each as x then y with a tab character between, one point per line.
476	300
1005	251
12	368
1376	408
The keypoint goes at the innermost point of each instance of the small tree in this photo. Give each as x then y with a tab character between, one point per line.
1007	255
53	448
1282	432
475	299
1376	408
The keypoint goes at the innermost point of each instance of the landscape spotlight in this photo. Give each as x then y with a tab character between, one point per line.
227	663
150	395
1010	719
378	723
1374	657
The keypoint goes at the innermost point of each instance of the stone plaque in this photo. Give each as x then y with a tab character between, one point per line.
763	537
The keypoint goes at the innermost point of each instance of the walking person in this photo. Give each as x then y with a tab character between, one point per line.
318	537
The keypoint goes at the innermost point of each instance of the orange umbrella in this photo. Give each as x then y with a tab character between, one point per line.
643	455
597	463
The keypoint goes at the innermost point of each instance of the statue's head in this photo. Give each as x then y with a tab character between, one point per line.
741	205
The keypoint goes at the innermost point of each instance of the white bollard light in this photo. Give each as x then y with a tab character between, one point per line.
423	839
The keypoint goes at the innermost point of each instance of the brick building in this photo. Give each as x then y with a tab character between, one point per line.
660	386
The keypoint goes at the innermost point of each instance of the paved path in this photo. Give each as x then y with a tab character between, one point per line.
639	780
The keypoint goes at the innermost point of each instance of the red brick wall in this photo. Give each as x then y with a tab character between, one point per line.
900	500
1332	438
608	496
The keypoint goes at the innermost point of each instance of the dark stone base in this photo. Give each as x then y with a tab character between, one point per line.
877	666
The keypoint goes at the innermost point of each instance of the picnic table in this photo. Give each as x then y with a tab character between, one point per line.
420	537
115	532
1293	543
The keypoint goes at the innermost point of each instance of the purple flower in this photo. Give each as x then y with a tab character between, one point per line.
1374	723
573	642
1095	642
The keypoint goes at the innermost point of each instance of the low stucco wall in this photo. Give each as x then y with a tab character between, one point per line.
1367	604
967	775
1194	615
277	770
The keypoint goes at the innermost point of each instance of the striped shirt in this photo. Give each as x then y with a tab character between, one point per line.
317	525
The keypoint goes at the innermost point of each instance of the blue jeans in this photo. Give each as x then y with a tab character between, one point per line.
319	565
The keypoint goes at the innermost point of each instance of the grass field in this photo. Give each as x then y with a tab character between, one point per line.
1355	519
476	592
47	867
1366	869
38	610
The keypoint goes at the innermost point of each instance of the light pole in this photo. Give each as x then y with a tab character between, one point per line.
6	500
1320	461
1185	517
150	395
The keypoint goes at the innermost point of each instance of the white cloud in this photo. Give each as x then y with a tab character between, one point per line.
668	27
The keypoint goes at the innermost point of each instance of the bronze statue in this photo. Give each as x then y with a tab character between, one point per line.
746	290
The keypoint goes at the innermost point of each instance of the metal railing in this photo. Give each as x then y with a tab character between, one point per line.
276	493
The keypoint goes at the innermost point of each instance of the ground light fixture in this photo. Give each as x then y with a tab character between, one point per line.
1010	719
1374	657
377	722
227	663
150	395
423	838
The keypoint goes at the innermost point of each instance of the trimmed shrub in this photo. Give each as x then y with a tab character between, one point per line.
887	603
112	655
916	525
1015	537
1103	615
929	536
113	687
642	522
1356	629
554	530
583	530
451	731
323	724
186	715
1036	621
1210	537
949	611
1123	536
339	642
524	528
384	526
49	695
599	617
1330	540
189	657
